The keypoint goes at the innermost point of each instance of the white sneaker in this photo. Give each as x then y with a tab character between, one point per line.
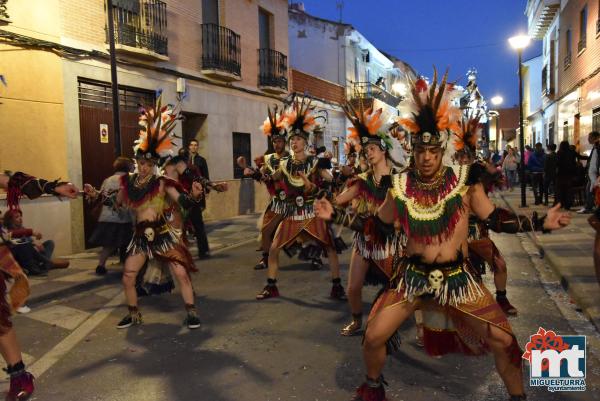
583	210
24	309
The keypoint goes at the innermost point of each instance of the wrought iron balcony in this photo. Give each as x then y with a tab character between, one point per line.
567	61
272	71
3	11
221	52
141	25
368	90
581	44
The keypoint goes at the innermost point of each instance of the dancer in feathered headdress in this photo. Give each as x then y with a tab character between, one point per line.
372	254
298	179
274	127
429	203
155	237
483	252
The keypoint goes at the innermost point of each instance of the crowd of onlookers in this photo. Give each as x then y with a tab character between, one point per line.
567	175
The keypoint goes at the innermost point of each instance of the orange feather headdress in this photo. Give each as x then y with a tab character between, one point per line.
301	119
156	126
433	117
467	134
368	126
275	124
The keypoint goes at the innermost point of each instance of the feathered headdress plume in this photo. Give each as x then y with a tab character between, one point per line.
351	148
433	117
275	124
156	125
301	120
368	126
467	134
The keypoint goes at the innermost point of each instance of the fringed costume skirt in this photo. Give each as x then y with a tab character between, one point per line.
163	246
304	229
448	295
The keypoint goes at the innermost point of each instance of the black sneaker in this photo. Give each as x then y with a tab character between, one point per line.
101	270
192	321
130	320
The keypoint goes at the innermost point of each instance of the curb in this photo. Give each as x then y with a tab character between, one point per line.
564	282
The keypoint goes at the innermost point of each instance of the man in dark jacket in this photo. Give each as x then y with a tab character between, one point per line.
549	171
195	213
535	166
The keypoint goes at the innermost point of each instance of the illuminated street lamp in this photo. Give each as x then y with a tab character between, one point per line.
520	42
496	101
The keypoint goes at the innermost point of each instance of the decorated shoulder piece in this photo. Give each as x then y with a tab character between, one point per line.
136	193
429	211
504	221
20	184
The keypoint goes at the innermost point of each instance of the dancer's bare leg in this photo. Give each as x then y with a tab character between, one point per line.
185	283
133	265
499	342
356	277
9	347
379	330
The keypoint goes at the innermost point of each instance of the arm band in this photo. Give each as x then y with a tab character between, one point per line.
505	221
186	201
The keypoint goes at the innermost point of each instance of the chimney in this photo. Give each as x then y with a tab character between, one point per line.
299	6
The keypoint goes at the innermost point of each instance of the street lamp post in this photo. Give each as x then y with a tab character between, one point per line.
519	43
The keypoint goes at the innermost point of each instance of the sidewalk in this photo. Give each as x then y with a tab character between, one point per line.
80	276
568	251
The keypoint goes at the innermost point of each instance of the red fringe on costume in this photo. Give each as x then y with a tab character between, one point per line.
151	192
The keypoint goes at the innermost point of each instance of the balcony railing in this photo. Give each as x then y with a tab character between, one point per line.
581	44
567	61
273	70
141	24
3	12
221	50
368	90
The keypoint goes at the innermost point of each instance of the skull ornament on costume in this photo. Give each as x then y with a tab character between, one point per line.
435	278
149	234
282	195
299	201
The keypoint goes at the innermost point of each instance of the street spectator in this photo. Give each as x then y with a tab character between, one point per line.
535	167
566	169
509	166
528	153
550	173
33	256
114	229
591	172
195	213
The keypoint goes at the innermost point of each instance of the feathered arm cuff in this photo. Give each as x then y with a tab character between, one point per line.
505	221
20	184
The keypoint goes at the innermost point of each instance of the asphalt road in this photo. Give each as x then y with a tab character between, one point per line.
280	349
